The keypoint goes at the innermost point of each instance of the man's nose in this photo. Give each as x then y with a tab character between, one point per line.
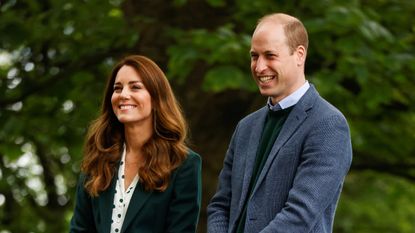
260	65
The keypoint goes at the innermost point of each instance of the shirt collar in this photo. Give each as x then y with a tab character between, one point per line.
290	100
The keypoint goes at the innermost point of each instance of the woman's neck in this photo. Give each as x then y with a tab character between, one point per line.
135	137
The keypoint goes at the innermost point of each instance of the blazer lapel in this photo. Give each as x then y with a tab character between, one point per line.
250	155
106	202
137	202
294	120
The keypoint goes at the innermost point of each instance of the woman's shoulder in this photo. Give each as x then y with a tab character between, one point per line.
192	159
193	155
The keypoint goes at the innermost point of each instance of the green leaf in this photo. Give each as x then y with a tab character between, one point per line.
227	77
216	3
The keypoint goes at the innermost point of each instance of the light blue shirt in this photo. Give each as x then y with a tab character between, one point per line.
290	100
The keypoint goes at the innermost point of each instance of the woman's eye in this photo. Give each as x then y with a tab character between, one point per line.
117	89
136	87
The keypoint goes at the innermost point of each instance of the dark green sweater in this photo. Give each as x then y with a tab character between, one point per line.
272	127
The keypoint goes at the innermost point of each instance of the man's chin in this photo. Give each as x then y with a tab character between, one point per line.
266	92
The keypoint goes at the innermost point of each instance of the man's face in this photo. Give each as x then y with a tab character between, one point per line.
277	71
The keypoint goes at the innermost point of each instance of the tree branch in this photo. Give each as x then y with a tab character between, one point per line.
66	71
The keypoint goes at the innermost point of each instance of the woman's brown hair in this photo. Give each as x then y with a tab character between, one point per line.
163	152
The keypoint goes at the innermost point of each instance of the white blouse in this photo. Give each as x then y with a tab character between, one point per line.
122	197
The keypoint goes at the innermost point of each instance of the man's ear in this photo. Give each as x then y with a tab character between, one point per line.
301	53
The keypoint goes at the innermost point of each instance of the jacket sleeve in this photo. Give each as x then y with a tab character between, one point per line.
325	160
218	209
82	219
184	207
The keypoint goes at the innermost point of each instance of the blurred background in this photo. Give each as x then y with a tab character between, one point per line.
55	56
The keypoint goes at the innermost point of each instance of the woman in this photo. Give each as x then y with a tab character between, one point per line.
137	173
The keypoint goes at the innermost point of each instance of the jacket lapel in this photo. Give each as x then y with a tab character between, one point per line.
294	120
137	202
250	155
106	202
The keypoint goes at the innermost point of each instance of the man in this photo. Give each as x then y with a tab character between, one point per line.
286	163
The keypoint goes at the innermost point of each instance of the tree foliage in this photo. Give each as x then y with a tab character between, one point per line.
55	57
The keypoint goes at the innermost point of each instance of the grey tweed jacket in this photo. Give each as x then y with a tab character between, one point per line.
299	186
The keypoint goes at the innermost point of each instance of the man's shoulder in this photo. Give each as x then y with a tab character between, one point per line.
253	116
319	105
325	107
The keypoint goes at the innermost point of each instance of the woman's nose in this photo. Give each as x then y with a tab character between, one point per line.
125	94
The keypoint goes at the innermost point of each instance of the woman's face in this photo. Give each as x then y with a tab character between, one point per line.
131	102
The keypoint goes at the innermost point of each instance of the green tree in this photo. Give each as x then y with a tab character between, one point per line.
56	56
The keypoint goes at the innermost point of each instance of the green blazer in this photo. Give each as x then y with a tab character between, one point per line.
174	210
